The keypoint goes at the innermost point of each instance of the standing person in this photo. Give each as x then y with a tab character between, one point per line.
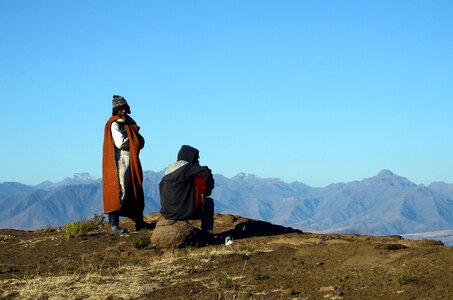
121	169
178	190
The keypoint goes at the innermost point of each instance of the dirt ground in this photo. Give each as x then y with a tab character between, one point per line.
264	262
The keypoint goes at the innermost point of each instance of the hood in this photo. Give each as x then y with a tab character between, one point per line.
175	166
189	154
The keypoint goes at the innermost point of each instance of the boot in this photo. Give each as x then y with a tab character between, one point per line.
139	225
208	238
115	228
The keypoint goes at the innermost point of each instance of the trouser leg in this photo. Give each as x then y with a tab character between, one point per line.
114	220
124	176
207	217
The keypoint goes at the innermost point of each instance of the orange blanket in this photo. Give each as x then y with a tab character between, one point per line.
111	187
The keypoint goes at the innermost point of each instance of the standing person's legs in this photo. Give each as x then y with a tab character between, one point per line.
124	177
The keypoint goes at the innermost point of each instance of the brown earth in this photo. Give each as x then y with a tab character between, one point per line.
264	262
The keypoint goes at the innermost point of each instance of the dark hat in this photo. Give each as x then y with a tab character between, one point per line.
189	154
118	102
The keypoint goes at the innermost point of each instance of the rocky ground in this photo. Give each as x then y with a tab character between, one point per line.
264	262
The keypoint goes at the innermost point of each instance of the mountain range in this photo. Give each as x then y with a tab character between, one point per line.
386	204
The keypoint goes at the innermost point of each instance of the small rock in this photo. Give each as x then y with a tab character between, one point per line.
174	234
327	289
290	292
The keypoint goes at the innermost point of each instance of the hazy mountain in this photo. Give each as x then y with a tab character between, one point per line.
381	205
255	197
442	188
76	179
9	189
384	204
53	204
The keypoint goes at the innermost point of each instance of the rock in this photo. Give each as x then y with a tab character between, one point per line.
174	234
391	247
289	292
327	289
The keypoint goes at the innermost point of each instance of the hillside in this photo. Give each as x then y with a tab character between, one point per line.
264	262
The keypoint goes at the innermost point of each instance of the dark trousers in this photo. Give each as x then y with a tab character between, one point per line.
207	215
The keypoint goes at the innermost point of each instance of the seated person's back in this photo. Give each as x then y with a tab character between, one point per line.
177	195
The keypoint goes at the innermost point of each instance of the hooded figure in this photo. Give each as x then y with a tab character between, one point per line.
177	189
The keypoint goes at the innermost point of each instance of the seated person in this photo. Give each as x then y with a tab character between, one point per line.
178	191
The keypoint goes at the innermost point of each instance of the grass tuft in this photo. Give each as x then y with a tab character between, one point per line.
142	242
225	283
257	275
83	227
71	268
403	278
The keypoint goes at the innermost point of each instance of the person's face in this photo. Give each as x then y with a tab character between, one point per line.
122	112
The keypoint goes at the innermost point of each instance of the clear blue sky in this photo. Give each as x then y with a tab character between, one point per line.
311	91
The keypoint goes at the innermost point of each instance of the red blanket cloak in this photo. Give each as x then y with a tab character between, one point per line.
111	186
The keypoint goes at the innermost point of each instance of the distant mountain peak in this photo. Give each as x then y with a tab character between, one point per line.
81	175
386	176
386	172
244	176
77	179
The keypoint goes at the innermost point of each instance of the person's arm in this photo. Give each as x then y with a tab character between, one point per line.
209	183
206	173
120	137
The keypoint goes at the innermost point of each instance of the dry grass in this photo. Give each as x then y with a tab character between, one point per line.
32	242
4	238
123	282
129	281
237	248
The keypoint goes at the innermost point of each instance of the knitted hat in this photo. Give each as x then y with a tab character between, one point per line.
118	102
